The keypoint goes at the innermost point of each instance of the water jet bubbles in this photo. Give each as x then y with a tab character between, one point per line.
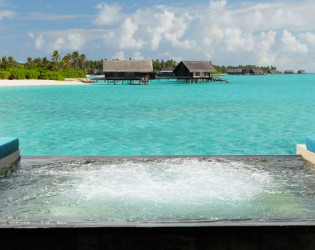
177	189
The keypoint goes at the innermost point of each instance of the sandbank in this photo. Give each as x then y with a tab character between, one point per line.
23	83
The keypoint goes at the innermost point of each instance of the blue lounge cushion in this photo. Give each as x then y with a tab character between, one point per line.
310	143
8	145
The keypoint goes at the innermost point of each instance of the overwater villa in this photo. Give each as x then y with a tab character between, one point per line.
194	69
256	72
195	72
237	71
301	71
288	71
272	71
166	73
128	70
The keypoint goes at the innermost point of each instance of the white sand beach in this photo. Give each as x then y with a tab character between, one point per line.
22	83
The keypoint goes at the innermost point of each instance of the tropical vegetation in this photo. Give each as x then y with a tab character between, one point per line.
76	65
57	68
224	69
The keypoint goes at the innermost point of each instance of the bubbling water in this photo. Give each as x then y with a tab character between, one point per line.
149	190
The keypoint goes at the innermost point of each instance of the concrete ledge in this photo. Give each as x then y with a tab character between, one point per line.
8	145
9	159
306	154
191	238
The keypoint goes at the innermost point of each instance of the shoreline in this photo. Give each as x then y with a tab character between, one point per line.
34	83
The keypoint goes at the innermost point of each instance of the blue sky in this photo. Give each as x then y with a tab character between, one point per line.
229	32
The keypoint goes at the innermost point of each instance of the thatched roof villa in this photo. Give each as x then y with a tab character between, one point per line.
301	71
166	73
237	71
256	72
288	72
127	69
193	69
272	71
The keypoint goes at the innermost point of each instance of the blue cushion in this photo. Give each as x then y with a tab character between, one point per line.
310	143
8	145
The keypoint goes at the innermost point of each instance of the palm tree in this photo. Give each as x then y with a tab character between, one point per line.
29	62
82	61
55	57
75	58
37	61
4	62
11	61
45	62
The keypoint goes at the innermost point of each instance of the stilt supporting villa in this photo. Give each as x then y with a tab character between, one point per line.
127	71
195	72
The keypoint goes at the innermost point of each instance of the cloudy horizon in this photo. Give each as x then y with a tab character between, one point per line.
226	32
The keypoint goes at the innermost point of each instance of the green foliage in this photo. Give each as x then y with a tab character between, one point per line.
169	64
93	67
224	69
72	73
4	74
16	73
32	74
50	75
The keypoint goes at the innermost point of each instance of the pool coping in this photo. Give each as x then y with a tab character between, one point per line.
154	157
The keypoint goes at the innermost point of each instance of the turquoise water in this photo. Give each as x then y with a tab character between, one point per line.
251	115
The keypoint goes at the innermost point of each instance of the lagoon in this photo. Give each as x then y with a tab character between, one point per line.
251	115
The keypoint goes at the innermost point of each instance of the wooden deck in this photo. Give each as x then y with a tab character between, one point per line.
124	81
200	79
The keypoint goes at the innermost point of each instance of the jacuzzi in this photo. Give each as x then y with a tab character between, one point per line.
185	202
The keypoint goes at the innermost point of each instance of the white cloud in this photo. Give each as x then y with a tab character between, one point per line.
76	41
266	58
235	39
137	56
291	44
120	55
217	4
165	24
165	54
308	37
108	14
72	41
31	35
39	42
287	18
127	40
42	16
265	40
6	13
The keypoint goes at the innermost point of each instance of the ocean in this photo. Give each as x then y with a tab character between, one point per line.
267	114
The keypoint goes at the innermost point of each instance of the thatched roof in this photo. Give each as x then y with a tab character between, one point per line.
235	70
257	71
139	66
199	66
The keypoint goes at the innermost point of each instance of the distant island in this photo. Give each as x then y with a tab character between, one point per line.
76	65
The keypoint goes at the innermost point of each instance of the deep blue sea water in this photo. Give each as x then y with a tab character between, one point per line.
251	115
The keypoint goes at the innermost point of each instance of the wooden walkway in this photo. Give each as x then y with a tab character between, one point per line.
146	81
200	79
122	81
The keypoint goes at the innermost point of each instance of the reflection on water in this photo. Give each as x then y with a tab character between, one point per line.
158	190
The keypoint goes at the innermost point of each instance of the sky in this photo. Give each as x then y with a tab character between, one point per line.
225	32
